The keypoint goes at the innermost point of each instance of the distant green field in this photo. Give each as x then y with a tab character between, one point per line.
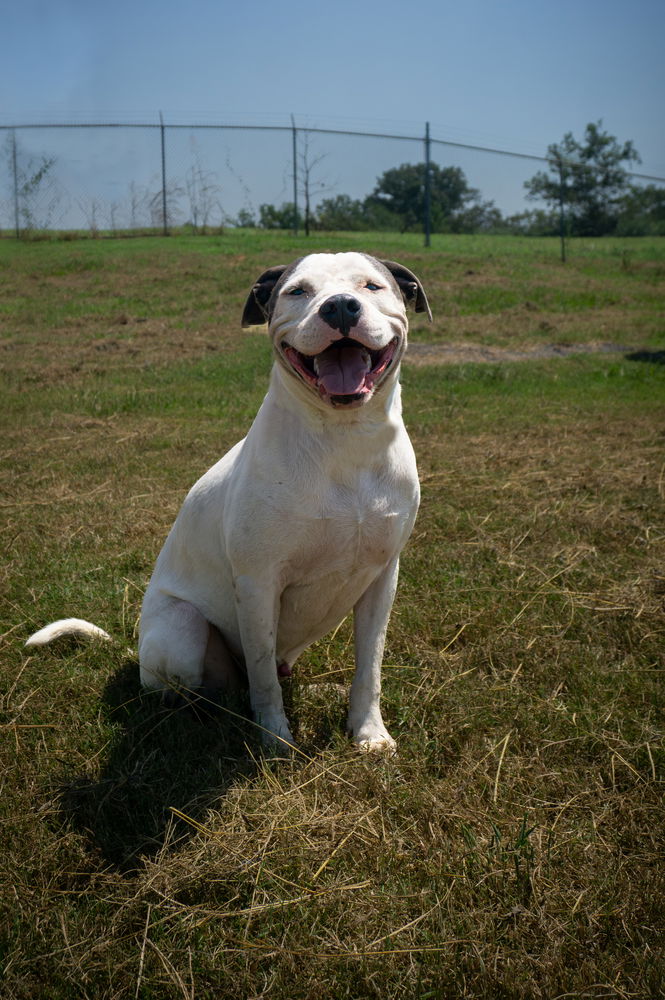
513	849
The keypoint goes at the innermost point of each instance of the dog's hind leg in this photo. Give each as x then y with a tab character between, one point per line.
180	650
220	670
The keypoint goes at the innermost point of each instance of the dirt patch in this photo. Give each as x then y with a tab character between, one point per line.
463	352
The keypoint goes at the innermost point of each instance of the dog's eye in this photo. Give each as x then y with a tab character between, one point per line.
373	287
297	291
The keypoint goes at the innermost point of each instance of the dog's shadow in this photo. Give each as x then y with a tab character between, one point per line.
163	769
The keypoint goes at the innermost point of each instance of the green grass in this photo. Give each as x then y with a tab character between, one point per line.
514	848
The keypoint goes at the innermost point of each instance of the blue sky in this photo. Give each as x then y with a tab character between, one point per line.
516	75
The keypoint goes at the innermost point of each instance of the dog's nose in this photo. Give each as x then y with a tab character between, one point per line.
341	312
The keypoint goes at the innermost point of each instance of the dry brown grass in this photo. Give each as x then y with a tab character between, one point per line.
512	850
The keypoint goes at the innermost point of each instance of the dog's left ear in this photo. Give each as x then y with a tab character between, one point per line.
410	286
255	312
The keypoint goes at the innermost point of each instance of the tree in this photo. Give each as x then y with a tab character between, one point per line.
245	219
36	194
272	217
90	208
309	186
398	202
587	179
535	222
203	194
642	212
477	217
340	213
168	197
401	190
137	204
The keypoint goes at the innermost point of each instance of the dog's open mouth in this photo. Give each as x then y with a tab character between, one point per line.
346	372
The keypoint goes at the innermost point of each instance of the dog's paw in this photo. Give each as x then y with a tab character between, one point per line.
203	703
275	733
385	746
173	699
375	739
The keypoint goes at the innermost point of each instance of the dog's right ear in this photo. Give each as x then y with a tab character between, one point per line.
256	311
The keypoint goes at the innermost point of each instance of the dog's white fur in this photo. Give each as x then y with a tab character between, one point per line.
301	521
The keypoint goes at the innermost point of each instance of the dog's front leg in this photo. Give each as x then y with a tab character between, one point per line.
371	615
257	606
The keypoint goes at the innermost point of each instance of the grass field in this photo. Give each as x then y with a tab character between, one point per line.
514	848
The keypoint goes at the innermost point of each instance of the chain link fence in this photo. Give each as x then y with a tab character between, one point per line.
116	178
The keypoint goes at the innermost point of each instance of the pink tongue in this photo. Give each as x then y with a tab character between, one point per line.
342	370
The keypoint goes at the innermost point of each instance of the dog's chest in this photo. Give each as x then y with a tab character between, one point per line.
357	526
334	558
346	520
338	548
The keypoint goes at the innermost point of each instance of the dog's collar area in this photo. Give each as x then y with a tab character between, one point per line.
346	373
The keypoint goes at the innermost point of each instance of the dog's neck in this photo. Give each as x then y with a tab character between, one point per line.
289	393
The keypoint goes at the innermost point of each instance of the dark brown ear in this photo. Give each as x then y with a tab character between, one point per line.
256	311
410	287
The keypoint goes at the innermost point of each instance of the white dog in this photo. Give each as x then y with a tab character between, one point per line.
305	518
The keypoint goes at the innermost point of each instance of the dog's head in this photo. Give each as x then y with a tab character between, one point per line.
337	321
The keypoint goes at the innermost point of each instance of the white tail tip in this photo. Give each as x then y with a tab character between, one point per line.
67	626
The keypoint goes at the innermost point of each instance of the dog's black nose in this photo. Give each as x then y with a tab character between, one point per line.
341	312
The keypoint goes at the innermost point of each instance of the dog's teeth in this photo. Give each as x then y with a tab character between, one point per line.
315	366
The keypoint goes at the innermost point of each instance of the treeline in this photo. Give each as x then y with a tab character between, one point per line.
641	212
587	191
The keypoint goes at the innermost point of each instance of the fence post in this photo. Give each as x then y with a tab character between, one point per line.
428	188
295	176
562	212
165	227
17	227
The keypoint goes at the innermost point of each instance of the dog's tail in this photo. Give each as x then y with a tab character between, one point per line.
67	626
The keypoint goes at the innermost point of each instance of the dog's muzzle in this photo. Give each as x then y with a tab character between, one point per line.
346	373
